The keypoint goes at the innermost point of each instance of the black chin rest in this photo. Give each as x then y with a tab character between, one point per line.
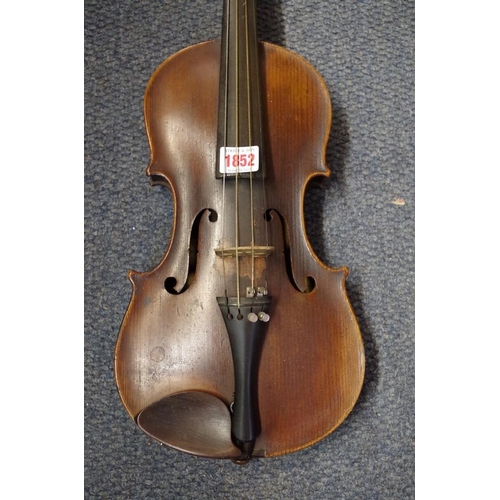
193	422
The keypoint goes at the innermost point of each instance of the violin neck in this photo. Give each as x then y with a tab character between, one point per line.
239	112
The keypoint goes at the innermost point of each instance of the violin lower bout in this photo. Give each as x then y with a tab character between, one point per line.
309	377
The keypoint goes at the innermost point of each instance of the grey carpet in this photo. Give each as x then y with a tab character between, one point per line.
365	52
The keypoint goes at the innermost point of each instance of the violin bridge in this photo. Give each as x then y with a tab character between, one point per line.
246	251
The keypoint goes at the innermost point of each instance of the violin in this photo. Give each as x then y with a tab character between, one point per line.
240	343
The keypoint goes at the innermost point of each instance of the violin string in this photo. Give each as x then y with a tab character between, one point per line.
264	190
236	228
266	205
249	112
223	159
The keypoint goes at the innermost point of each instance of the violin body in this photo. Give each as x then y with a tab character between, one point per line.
174	363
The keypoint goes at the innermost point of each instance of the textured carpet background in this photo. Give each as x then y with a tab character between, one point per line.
365	52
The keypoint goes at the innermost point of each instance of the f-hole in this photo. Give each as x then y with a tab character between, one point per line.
310	282
171	281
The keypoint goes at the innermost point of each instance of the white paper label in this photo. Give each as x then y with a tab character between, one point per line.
242	160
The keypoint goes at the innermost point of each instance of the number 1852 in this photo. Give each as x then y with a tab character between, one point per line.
241	160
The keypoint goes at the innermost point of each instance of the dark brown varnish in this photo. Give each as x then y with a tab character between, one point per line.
173	340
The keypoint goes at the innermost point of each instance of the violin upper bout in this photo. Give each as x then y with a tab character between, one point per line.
298	108
180	112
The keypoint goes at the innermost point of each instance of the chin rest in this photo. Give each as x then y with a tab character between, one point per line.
193	422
